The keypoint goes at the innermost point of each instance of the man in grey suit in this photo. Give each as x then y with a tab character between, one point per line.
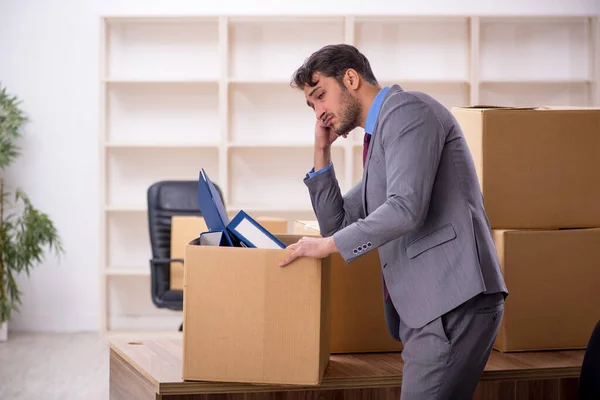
420	205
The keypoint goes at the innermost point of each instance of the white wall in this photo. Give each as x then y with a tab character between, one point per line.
442	7
49	58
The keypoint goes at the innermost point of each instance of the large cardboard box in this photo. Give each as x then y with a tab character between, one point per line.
358	321
185	228
246	319
553	277
538	168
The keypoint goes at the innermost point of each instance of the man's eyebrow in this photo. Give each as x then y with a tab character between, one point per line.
313	91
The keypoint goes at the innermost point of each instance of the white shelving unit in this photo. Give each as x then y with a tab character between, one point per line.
183	93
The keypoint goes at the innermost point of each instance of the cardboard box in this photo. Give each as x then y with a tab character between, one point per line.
246	319
186	228
553	277
358	321
538	168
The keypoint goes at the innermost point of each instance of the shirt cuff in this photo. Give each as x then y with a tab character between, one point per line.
312	172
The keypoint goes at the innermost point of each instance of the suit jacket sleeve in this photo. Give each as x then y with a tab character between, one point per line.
413	138
333	211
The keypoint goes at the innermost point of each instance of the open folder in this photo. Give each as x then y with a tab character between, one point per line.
241	231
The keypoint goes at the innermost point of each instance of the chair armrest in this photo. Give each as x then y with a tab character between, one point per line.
163	261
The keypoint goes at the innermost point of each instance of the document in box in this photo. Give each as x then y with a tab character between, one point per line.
212	239
242	231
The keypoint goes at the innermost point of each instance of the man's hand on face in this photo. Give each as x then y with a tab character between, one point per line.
324	133
310	247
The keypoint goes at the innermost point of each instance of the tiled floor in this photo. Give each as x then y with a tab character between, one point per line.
54	366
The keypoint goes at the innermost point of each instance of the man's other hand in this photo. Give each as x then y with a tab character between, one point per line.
310	247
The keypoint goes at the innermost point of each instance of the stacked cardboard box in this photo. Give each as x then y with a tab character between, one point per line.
539	170
357	322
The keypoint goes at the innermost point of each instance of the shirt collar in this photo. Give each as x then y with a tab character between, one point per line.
374	110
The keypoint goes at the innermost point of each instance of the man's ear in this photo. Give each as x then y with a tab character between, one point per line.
351	79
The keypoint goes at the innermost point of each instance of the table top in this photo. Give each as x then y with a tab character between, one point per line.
159	360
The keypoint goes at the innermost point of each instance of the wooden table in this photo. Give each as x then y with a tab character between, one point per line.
151	369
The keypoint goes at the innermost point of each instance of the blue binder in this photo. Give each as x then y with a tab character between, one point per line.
242	231
251	233
212	208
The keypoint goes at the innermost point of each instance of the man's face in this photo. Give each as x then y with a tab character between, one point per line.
334	105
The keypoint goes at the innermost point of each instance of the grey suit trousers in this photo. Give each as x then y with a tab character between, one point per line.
445	358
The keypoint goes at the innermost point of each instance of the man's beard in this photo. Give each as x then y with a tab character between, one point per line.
349	113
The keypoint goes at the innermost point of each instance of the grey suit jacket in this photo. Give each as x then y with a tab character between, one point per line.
420	205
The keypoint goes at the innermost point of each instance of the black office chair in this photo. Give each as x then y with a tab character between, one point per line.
589	378
165	200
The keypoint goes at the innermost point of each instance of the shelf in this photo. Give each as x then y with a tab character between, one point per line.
131	172
450	93
275	144
183	93
279	144
252	209
547	50
126	208
430	82
274	48
128	239
163	50
131	271
273	178
260	81
230	207
534	95
146	81
423	49
535	81
165	145
269	113
391	79
163	113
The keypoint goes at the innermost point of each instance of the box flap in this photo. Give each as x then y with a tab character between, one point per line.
483	107
570	108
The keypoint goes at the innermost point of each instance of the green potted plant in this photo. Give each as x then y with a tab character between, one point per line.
26	233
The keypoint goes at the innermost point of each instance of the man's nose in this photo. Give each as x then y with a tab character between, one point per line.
320	112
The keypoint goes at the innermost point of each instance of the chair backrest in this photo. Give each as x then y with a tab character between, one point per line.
166	199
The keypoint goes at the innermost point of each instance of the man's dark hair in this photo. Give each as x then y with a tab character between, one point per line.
333	61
